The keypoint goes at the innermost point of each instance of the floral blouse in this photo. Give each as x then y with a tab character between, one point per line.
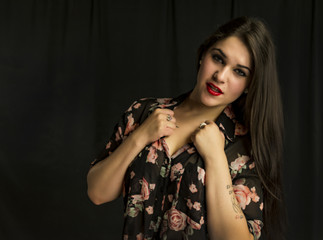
164	196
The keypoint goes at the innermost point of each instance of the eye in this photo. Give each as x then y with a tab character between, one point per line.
240	72
218	58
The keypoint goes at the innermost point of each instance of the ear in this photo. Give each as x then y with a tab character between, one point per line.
202	58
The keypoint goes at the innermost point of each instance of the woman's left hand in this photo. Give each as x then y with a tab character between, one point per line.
209	141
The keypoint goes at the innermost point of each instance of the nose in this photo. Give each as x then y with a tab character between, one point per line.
221	75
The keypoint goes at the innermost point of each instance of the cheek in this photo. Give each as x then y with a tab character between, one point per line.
205	71
200	74
237	88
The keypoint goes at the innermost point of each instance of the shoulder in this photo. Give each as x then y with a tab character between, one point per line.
140	103
150	103
239	155
139	110
240	146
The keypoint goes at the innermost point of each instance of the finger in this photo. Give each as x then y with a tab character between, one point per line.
171	125
208	122
170	118
168	132
169	129
173	120
201	126
221	133
193	136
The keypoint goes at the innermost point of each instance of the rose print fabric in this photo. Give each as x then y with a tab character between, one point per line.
164	196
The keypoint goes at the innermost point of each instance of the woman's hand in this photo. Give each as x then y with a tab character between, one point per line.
159	124
209	141
105	179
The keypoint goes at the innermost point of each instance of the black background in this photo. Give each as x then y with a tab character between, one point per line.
68	70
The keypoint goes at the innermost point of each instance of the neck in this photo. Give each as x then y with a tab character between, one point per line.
192	108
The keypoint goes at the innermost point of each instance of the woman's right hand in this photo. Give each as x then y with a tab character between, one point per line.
157	125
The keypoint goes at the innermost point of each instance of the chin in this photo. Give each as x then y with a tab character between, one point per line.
209	102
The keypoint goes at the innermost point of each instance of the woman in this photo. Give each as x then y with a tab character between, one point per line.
204	165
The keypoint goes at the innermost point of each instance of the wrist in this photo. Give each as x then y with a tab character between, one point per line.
216	161
138	138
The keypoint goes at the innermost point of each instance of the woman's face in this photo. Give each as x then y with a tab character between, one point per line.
223	74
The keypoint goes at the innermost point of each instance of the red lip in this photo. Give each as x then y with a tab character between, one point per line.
210	87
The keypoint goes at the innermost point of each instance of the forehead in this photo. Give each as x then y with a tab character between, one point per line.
234	49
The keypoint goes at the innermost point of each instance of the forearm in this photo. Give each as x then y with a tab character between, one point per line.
225	217
105	179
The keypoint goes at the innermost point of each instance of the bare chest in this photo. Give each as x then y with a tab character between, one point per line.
179	138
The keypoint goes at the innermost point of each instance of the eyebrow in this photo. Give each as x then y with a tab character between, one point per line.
222	53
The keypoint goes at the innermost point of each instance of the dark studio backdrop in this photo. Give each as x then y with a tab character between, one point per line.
68	70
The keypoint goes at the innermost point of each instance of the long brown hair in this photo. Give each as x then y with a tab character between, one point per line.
261	111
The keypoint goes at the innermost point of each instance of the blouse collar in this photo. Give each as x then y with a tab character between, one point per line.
226	121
